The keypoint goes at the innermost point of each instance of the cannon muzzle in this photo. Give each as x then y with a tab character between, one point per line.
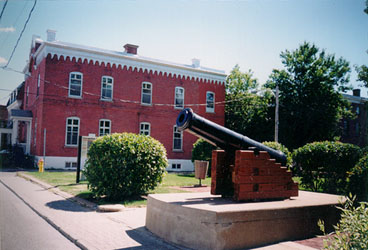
220	136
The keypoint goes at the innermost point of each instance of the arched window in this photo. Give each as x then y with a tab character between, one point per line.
210	102
75	84
179	98
145	128
146	93
106	88
72	131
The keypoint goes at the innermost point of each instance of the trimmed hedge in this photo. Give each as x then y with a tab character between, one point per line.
325	166
358	179
282	148
124	165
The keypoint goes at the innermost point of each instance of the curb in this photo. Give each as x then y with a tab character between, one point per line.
57	191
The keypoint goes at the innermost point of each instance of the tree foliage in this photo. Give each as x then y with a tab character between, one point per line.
245	112
310	103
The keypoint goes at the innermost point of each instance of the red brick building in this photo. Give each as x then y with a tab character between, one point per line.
73	90
355	130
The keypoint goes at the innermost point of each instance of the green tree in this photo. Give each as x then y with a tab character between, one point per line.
310	103
245	112
363	70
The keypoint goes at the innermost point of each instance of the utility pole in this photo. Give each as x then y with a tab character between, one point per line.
277	114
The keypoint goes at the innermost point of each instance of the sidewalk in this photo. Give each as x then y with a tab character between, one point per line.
77	219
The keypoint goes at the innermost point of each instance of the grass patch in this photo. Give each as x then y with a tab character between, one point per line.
65	181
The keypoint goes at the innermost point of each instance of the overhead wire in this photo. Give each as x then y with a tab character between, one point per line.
21	34
114	99
3	42
3	9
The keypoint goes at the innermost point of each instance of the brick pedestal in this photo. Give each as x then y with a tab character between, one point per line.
250	176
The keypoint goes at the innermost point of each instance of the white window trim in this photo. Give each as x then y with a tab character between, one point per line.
112	88
99	126
149	127
146	104
176	107
66	131
210	110
81	90
181	142
38	85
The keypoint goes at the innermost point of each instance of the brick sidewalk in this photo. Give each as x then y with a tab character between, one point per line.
88	229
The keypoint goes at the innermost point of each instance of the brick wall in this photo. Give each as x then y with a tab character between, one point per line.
53	106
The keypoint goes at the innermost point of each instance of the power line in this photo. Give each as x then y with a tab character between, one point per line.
2	11
114	99
21	33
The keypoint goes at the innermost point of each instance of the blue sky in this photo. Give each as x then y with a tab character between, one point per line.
219	33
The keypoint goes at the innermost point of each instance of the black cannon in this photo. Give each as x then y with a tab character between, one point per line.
222	137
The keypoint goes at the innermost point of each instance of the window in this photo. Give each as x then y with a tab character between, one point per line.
176	166
357	111
179	97
38	84
210	102
145	128
178	139
72	131
346	127
104	127
75	84
27	95
146	93
357	129
106	87
69	164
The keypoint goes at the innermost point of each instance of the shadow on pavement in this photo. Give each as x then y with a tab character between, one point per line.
148	241
66	205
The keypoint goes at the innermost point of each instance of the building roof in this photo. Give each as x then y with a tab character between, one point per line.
355	99
121	58
21	113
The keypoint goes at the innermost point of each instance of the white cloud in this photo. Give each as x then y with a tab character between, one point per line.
7	29
3	60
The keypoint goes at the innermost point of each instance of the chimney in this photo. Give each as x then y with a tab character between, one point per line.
196	63
51	35
131	49
356	92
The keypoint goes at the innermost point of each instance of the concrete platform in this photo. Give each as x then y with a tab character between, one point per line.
204	221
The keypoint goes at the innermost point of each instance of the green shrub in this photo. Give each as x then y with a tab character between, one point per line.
16	158
352	230
124	165
324	166
358	179
282	148
202	151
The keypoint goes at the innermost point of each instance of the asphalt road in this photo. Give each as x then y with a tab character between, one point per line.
22	228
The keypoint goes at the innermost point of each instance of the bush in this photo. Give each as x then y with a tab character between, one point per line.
352	230
124	165
282	148
202	151
324	166
358	179
16	158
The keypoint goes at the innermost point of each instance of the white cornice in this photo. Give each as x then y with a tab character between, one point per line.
130	61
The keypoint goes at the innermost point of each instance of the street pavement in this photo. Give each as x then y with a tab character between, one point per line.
85	227
22	228
81	224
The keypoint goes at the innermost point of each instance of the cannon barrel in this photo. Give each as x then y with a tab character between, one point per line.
220	136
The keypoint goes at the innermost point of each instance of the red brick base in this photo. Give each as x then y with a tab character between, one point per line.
250	176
